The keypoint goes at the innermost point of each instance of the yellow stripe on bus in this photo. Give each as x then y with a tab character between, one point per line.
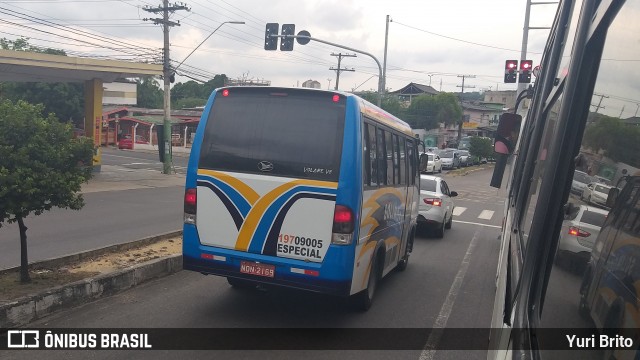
245	190
255	214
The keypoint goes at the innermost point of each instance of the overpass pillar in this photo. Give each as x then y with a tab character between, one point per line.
93	92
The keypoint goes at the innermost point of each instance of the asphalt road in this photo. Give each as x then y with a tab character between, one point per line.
449	282
108	218
142	160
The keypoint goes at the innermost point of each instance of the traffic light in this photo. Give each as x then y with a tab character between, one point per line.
286	44
510	68
525	71
271	43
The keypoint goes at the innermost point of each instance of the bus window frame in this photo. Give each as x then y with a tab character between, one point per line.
577	91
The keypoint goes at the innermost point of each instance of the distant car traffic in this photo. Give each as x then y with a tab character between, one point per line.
596	193
126	141
580	181
465	158
450	159
435	210
580	230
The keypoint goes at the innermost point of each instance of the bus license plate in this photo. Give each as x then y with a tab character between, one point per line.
252	268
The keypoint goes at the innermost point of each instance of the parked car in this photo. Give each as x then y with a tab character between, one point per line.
450	159
126	141
433	163
596	193
580	229
580	181
435	210
465	158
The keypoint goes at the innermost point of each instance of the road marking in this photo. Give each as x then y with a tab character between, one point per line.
457	211
139	163
429	351
477	224
120	156
486	215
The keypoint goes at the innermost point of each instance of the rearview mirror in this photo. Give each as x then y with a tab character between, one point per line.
507	134
612	197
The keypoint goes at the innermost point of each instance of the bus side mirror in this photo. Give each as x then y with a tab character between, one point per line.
507	133
612	197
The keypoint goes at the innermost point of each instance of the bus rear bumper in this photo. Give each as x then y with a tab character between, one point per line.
283	276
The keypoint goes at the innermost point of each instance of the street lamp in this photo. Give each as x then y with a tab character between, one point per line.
207	38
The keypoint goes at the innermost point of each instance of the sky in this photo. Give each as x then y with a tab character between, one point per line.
429	42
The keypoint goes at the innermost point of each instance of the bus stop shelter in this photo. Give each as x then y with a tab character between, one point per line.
22	66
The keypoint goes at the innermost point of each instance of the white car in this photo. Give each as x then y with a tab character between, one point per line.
596	193
436	206
433	163
580	230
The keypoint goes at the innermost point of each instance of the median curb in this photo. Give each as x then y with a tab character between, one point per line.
22	311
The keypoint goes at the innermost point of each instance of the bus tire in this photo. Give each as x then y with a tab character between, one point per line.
240	283
404	262
362	301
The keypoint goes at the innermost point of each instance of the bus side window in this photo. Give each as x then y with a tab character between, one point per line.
411	155
397	161
366	156
373	155
382	161
390	168
403	164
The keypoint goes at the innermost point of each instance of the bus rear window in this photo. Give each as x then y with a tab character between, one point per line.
280	132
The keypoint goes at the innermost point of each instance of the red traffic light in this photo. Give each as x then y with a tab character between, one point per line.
511	64
526	65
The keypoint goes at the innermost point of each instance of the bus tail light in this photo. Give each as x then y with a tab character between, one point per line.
577	232
190	202
343	225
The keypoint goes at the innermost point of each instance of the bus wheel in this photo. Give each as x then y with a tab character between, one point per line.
404	262
363	300
240	283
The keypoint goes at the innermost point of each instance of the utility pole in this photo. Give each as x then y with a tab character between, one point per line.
461	99
329	86
166	9
339	69
384	62
599	106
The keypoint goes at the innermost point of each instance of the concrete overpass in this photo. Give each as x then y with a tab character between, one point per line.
22	66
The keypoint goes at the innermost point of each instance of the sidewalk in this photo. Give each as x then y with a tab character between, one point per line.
117	178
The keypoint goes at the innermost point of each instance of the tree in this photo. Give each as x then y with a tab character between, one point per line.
427	112
66	100
41	166
149	93
480	147
618	141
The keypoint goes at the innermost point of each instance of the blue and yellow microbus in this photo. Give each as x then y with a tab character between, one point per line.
302	188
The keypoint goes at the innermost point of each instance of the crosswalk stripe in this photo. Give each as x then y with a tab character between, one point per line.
486	215
457	211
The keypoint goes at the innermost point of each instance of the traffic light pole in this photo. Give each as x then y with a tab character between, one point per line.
380	78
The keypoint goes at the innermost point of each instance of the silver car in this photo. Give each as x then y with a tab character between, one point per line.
580	181
450	159
580	230
436	206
